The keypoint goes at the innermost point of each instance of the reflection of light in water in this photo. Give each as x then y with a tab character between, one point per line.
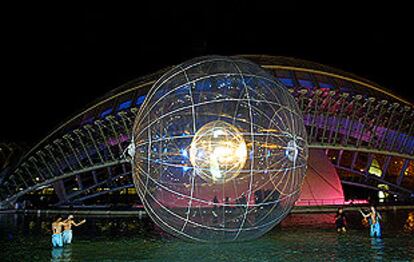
377	245
62	253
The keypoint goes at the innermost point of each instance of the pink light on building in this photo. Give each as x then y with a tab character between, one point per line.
322	185
114	140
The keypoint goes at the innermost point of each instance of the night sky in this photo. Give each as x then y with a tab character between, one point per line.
58	59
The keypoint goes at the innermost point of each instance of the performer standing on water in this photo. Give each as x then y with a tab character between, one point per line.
57	240
374	218
340	220
67	232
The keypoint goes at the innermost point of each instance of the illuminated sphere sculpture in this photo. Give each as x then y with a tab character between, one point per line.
220	150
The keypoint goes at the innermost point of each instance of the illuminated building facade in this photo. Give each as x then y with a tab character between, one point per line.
363	132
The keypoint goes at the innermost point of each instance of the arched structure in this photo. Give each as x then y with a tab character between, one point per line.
356	123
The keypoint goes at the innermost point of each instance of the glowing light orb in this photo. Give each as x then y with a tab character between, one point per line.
220	150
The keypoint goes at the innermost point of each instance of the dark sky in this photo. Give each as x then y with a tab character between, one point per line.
57	59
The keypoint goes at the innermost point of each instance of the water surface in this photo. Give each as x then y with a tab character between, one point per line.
299	238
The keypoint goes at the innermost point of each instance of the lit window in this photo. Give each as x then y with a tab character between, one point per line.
375	168
140	100
287	81
124	105
106	112
306	83
382	194
325	85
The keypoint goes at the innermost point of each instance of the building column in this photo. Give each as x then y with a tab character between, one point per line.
355	101
368	105
49	169
385	166
79	135
344	96
25	167
22	178
405	144
49	149
381	106
112	123
313	123
393	107
124	119
327	113
33	162
89	130
404	167
57	142
68	140
99	123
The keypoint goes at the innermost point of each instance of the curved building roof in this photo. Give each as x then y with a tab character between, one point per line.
342	113
289	63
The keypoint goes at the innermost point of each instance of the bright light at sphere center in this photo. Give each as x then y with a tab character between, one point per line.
218	152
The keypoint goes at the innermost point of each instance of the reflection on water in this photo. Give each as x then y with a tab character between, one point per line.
377	246
62	254
299	238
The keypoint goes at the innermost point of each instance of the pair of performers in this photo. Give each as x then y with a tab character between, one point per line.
58	237
373	216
